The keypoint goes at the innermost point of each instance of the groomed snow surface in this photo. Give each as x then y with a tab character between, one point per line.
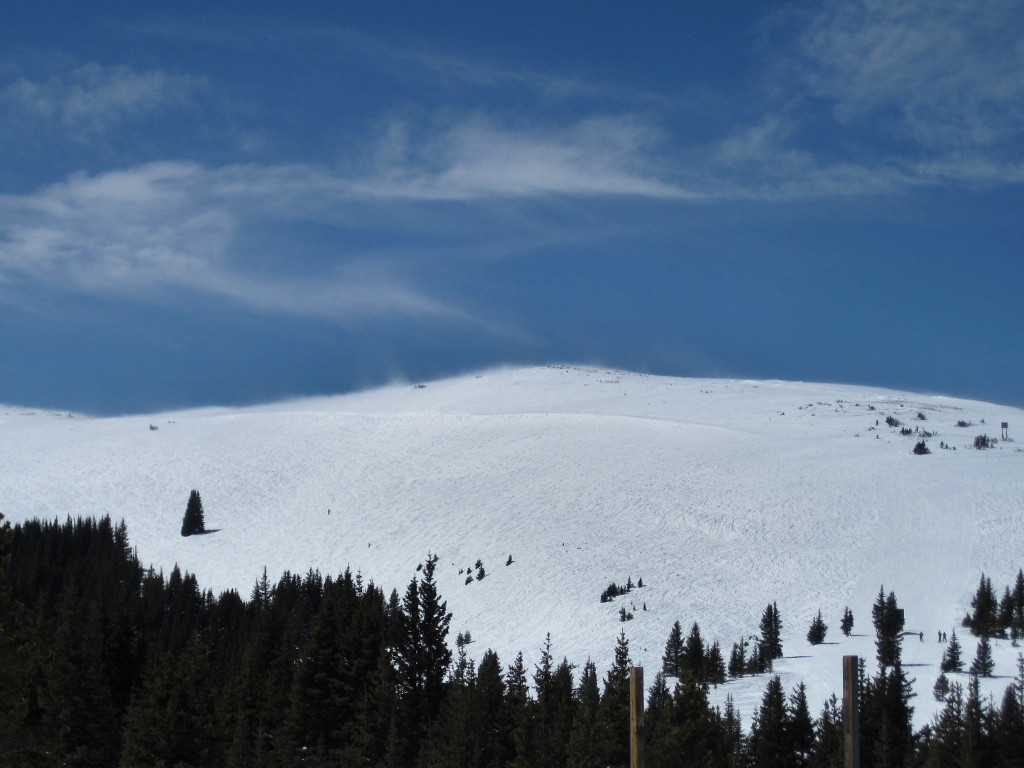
722	495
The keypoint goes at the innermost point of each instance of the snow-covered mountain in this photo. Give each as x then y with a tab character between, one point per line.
722	495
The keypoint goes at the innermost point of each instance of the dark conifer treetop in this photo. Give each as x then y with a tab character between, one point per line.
194	520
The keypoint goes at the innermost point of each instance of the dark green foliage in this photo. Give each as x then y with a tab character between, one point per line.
109	664
921	448
738	659
943	742
941	688
583	740
1007	725
613	590
714	665
1016	617
421	660
800	727
951	656
983	664
771	633
888	620
846	625
613	714
983	619
828	736
693	654
556	707
672	661
984	441
818	630
886	732
194	521
770	744
990	617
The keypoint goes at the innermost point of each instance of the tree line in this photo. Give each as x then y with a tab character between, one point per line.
109	663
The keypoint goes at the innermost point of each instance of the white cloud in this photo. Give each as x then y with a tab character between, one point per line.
169	225
476	158
92	98
937	79
176	225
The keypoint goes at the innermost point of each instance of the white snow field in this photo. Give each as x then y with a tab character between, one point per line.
722	495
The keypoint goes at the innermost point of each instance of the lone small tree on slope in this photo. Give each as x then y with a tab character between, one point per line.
816	634
193	521
847	623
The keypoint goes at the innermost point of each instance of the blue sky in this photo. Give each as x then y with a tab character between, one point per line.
267	200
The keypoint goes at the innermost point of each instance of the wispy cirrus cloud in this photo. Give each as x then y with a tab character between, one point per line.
933	88
476	158
173	226
91	99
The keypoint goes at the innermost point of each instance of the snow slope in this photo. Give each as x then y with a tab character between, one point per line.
721	495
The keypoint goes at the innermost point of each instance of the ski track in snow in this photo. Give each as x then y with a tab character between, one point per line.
723	495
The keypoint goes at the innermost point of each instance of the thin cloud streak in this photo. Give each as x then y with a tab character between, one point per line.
915	85
91	99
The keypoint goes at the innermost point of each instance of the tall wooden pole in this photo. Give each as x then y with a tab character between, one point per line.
636	717
851	712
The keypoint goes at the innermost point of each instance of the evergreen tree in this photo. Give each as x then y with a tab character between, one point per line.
696	735
521	712
1007	732
888	620
657	724
714	665
941	687
951	656
77	699
15	735
1017	611
672	661
493	719
846	625
194	521
555	709
738	659
983	620
976	745
693	654
733	742
614	709
828	736
583	741
817	631
422	659
800	727
769	743
944	743
1005	611
886	718
771	633
983	664
454	733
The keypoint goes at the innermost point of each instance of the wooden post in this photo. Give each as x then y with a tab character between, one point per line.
851	712
636	717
